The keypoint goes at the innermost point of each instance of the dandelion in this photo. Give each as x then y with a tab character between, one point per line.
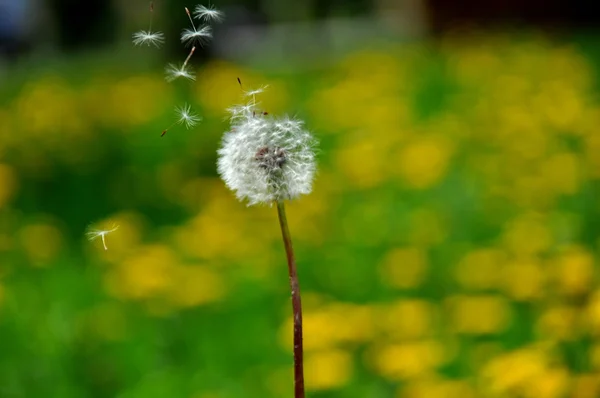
266	159
93	234
185	117
149	38
208	14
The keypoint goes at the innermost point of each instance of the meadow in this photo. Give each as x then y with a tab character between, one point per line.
449	247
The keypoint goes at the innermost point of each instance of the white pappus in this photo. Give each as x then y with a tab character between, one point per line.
264	159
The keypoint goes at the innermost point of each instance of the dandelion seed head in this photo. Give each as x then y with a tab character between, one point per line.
191	37
208	14
265	159
148	38
173	72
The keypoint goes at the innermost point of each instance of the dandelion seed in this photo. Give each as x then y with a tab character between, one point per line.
196	37
174	72
241	111
93	234
149	38
254	93
185	116
208	14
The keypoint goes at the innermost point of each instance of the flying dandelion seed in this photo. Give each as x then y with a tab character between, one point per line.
208	14
185	116
196	37
254	93
173	72
148	38
93	234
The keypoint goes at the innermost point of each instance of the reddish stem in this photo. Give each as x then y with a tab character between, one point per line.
296	303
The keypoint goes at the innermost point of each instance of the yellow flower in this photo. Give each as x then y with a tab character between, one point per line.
328	369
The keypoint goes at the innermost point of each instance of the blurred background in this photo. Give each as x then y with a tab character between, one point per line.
449	249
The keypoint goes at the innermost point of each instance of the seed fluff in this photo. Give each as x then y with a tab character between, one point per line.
185	116
190	37
174	72
148	38
208	14
264	159
93	234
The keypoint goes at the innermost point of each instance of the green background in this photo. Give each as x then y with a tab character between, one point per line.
449	247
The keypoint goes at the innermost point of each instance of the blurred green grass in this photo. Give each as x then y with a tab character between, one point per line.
449	247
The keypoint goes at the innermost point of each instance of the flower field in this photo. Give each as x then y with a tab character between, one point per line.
449	248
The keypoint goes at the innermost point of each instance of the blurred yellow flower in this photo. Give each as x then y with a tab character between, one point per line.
482	314
592	152
407	319
575	270
404	268
331	325
524	279
480	269
559	323
147	274
562	173
408	360
8	184
527	235
48	109
42	242
424	162
513	373
435	387
195	285
328	369
585	386
133	101
363	162
427	227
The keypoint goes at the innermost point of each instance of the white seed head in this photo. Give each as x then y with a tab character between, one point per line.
173	72
265	159
94	233
186	116
208	14
149	38
192	37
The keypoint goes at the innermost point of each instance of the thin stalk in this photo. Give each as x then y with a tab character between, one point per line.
296	303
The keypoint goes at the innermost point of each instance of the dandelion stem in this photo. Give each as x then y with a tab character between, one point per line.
296	303
189	56
104	242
